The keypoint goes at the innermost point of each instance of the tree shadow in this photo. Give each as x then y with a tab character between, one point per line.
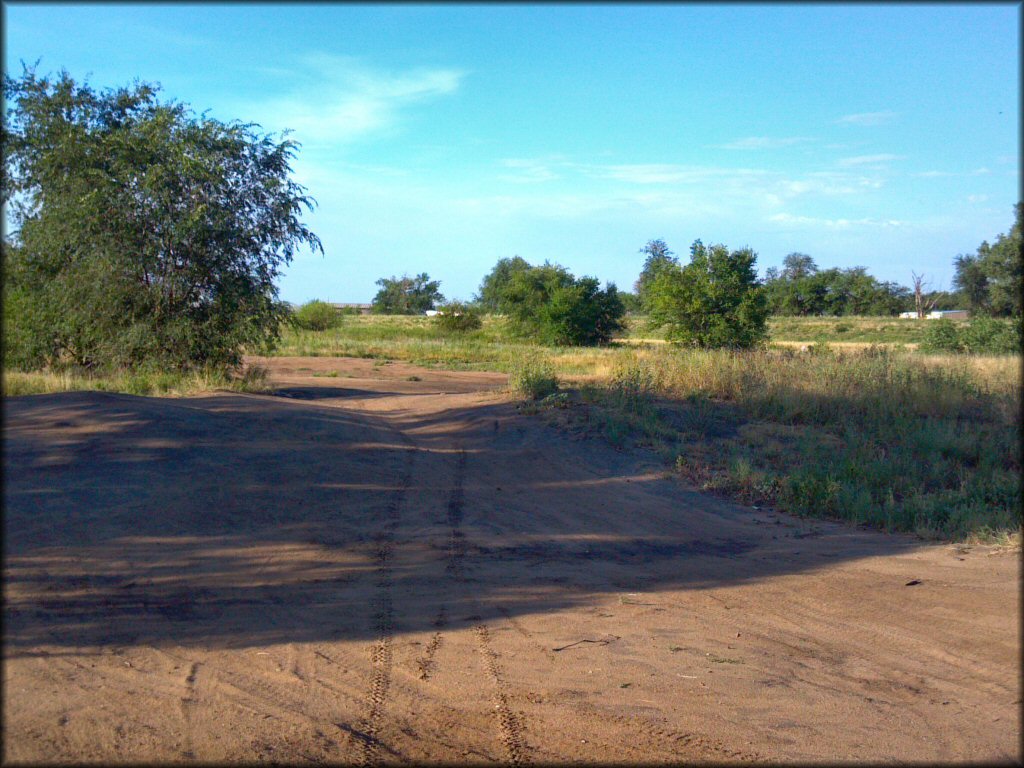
234	521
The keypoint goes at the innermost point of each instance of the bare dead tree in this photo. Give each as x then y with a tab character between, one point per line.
921	304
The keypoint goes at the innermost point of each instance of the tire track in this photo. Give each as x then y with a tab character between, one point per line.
188	703
365	735
456	538
425	663
510	728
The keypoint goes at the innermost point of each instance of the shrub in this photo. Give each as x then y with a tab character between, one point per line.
457	317
989	335
941	336
316	315
714	301
551	305
533	380
981	335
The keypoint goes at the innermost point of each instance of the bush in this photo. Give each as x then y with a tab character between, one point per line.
316	315
989	335
533	380
979	336
714	301
554	307
457	317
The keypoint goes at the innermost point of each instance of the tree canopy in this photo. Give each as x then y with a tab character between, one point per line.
142	233
495	283
991	279
659	258
406	295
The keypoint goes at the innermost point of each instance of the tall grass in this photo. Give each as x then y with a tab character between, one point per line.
249	379
877	437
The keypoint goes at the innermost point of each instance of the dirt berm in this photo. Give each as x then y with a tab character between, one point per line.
367	568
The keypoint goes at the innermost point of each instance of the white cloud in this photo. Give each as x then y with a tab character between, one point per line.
762	142
667	173
868	118
528	171
977	198
810	221
867	160
339	100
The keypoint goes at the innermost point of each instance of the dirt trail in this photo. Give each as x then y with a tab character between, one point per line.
389	564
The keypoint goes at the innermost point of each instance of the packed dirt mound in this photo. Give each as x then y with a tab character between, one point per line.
383	563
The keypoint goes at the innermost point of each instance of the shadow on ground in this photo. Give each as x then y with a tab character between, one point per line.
234	521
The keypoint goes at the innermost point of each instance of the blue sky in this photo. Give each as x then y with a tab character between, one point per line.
441	138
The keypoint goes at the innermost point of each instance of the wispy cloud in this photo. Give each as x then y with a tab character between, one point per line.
868	118
529	171
811	221
762	142
339	99
667	173
847	162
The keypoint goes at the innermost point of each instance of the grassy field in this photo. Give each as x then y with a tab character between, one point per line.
880	435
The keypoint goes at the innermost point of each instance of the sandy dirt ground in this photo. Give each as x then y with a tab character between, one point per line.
395	565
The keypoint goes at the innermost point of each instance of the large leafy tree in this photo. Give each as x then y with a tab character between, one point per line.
142	233
991	280
407	295
714	301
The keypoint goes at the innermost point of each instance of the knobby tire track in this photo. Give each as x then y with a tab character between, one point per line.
510	730
365	736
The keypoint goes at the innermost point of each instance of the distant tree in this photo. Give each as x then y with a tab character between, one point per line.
802	289
972	282
659	257
714	301
494	285
406	295
798	265
548	303
923	304
1003	267
142	234
991	280
631	302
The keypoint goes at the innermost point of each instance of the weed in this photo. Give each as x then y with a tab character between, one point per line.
533	380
